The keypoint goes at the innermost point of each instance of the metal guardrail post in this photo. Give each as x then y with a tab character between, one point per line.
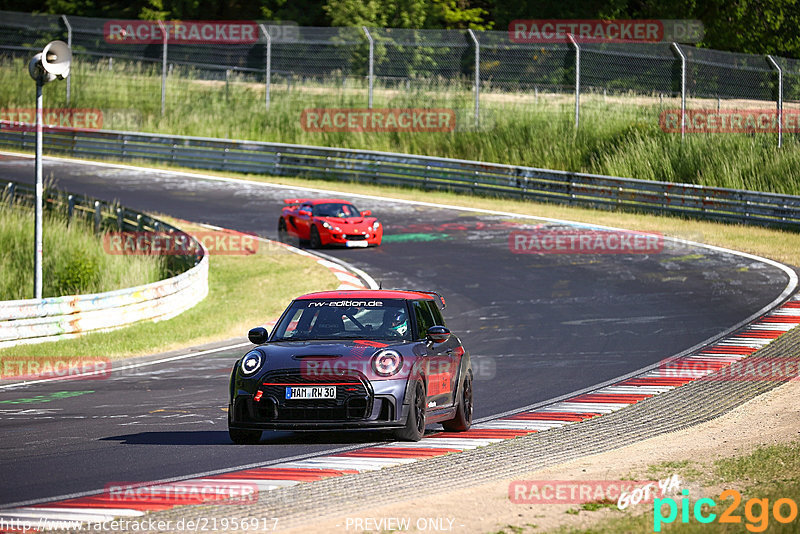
371	62
268	67
163	68
780	98
69	44
677	48
477	76
577	79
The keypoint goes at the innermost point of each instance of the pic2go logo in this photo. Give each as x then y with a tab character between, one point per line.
756	511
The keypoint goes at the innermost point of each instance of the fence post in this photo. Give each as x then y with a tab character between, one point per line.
477	77
677	48
268	67
98	216
371	61
780	98
69	44
577	79
163	68
70	208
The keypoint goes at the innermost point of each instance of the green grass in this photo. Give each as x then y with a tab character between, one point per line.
73	259
244	291
618	136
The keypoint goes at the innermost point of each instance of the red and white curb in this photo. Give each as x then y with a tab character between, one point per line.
106	506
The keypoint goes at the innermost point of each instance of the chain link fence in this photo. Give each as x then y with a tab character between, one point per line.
369	67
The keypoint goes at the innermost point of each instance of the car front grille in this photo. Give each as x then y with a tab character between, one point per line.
355	237
353	398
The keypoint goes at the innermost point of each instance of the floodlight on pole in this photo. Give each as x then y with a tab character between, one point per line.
50	64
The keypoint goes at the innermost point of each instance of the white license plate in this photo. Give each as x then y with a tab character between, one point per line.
356	244
311	392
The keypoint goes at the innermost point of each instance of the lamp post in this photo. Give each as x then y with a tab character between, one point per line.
51	63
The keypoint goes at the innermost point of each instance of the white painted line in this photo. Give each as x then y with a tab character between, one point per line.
508	424
585	407
437	443
467	442
794	312
357	463
634	390
773	326
262	484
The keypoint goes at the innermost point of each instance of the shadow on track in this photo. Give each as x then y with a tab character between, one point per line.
220	437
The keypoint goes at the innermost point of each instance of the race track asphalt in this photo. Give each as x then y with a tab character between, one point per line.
537	325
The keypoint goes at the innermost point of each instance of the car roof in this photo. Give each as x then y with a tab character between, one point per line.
366	294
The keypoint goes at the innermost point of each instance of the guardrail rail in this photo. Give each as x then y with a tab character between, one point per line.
426	172
49	319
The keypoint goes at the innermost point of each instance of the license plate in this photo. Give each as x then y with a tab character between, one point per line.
311	392
356	244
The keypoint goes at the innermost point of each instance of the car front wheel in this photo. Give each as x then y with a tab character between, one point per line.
415	422
463	419
314	240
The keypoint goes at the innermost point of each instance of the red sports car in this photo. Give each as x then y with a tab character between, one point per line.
326	221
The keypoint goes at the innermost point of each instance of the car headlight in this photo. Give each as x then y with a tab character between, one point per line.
252	362
376	225
326	224
387	362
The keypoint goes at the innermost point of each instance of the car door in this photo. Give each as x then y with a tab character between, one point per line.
303	220
439	366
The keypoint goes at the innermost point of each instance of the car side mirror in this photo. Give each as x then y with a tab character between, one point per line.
258	335
438	334
304	213
366	213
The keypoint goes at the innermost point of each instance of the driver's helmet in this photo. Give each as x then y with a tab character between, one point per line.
399	323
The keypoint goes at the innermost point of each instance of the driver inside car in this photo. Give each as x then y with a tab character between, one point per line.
398	322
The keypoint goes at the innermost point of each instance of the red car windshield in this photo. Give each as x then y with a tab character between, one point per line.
336	209
344	319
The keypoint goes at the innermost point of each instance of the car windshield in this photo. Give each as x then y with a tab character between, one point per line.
336	209
369	319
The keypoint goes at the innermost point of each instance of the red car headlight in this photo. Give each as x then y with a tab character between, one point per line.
387	362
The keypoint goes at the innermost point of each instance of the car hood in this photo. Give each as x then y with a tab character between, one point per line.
334	355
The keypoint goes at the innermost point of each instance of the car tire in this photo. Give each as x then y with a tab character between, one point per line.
244	437
463	419
314	241
282	232
415	422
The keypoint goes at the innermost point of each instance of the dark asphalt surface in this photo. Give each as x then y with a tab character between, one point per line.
537	326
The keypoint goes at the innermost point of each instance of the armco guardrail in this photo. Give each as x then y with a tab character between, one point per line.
714	203
38	320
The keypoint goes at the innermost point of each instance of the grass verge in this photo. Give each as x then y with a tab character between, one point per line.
620	135
73	261
244	291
